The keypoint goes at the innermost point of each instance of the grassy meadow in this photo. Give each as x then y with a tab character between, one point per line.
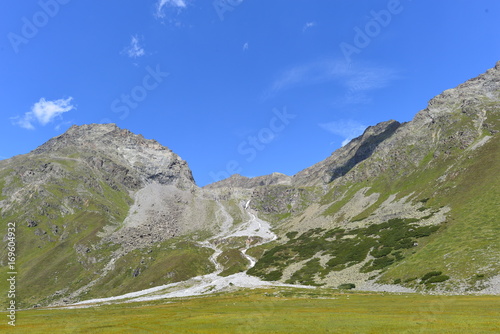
275	310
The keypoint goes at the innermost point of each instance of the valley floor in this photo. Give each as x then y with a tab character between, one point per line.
275	310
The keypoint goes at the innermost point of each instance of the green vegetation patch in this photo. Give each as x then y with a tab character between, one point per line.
307	273
387	243
172	261
347	286
233	262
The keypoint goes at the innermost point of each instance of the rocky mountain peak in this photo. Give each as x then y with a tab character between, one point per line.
143	159
464	96
344	159
102	137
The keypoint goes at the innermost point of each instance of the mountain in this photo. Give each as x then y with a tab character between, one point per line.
100	211
87	205
400	201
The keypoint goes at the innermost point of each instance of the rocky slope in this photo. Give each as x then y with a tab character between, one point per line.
345	158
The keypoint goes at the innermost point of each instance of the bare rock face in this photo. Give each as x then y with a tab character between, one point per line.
131	158
344	159
453	120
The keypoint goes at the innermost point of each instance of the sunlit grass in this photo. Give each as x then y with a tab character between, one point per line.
278	310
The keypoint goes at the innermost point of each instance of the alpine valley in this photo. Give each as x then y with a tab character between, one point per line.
100	212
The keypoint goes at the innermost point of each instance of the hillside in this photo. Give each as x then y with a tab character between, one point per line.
89	208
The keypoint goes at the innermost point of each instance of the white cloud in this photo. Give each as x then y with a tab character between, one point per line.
308	25
44	112
245	46
169	3
135	49
356	80
347	129
309	74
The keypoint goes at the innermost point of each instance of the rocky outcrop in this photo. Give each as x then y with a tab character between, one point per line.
344	159
130	158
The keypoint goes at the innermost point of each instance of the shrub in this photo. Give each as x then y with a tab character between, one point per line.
338	232
273	276
377	264
438	279
398	255
382	262
347	286
404	243
430	274
381	252
425	231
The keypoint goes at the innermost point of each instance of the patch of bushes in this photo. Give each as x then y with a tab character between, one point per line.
381	252
306	274
233	262
398	255
425	231
427	217
438	279
378	264
273	275
430	274
347	286
382	241
337	232
411	279
404	243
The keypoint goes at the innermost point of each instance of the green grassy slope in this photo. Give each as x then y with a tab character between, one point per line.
467	246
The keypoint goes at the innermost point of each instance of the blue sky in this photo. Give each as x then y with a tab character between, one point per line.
252	87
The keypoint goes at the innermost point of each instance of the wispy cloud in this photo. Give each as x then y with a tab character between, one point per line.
308	25
347	129
43	112
161	4
245	46
134	49
63	125
356	80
